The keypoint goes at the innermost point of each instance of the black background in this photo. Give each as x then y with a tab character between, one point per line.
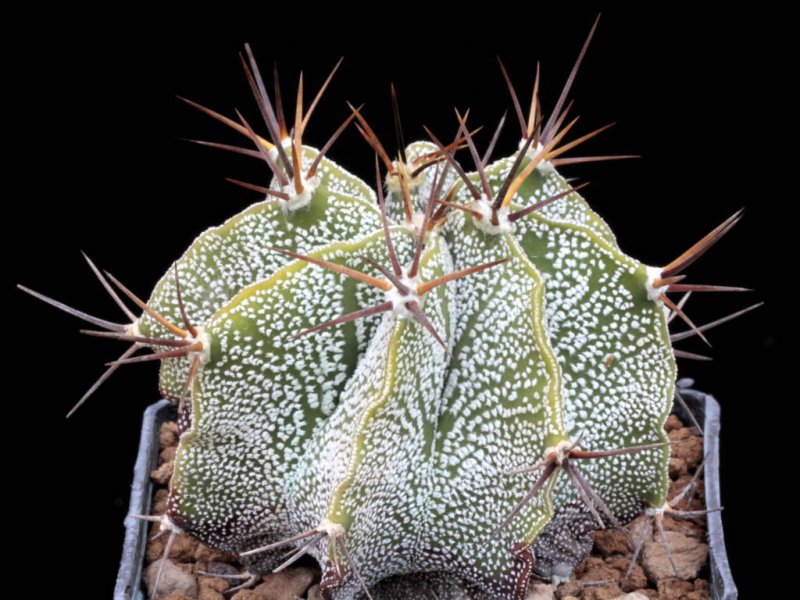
98	165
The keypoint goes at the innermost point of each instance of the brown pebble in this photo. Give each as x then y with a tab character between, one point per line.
162	474
160	502
211	588
673	589
596	569
688	528
208	594
688	554
635	527
175	596
174	578
693	499
155	547
248	595
167	455
672	423
214	583
677	467
606	591
183	548
314	593
540	591
168	435
610	541
636	579
569	589
286	585
687	445
699	595
701	585
649	593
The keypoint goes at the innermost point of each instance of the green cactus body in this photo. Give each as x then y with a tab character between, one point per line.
371	431
369	468
260	385
502	393
599	308
502	409
226	259
613	349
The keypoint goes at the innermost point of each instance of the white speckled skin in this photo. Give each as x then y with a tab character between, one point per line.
373	426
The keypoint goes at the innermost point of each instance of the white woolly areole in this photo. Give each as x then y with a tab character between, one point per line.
393	179
133	329
415	226
484	207
545	167
533	151
416	223
167	525
656	511
297	201
561	450
653	292
331	529
399	300
205	353
286	143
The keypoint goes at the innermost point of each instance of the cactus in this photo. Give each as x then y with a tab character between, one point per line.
448	384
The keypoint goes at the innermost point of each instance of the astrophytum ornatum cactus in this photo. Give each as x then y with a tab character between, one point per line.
443	388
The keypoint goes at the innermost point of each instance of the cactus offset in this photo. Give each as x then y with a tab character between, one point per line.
452	385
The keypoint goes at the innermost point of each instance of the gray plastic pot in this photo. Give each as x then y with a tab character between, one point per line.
129	579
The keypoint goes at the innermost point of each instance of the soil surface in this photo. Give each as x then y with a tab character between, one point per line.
602	576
